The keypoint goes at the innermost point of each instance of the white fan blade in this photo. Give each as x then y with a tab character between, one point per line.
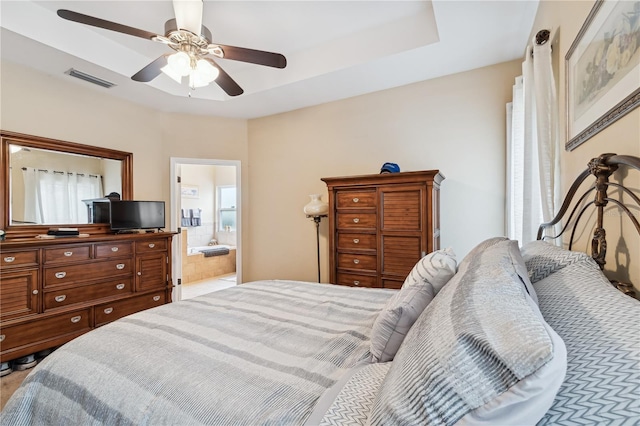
188	15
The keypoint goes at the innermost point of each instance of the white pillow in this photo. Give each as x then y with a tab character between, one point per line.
424	281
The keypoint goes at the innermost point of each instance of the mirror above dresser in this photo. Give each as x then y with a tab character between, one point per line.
44	183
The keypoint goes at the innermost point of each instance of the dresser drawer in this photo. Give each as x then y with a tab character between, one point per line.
107	250
356	220
67	254
355	199
71	274
357	261
87	293
16	259
355	280
45	329
356	241
150	246
108	312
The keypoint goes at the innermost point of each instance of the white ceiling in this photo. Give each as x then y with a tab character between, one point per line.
334	49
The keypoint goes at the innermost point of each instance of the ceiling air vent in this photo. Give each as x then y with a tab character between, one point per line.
91	79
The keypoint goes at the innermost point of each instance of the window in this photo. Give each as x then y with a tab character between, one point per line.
227	208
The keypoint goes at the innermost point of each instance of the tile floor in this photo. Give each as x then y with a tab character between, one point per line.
198	288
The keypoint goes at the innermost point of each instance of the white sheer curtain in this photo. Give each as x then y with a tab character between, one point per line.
533	147
56	197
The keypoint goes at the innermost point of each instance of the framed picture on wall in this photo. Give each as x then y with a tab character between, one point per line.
190	191
603	70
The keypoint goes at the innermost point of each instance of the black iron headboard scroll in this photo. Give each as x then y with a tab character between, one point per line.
602	168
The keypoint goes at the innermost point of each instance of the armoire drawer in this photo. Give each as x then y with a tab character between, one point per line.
356	220
67	254
71	274
355	199
356	241
357	261
151	246
355	280
114	249
87	293
108	312
44	329
17	259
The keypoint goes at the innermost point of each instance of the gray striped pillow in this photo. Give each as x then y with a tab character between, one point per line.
424	281
481	337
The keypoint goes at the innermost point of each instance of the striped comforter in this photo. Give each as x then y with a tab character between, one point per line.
259	353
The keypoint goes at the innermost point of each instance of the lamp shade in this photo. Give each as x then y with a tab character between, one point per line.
316	207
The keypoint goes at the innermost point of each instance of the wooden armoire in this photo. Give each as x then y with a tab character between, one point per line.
381	225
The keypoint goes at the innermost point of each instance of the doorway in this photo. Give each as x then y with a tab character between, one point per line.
205	206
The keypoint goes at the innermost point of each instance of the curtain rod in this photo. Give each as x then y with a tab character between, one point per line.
61	173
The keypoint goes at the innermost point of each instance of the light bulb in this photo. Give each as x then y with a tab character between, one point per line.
180	63
206	70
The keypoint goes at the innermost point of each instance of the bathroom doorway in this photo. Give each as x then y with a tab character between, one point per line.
205	205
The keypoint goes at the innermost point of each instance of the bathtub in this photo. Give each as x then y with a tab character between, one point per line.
196	267
197	250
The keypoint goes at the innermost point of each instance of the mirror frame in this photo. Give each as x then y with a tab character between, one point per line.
30	231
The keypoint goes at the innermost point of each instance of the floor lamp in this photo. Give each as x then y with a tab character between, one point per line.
316	209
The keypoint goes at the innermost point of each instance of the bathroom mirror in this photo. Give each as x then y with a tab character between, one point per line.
45	181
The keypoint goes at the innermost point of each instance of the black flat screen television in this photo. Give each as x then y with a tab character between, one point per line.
131	215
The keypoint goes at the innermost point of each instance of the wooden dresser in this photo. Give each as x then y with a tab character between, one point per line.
53	290
381	225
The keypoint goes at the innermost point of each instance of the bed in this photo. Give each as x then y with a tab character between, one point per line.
508	335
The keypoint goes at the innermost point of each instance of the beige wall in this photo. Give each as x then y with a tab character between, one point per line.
455	124
42	105
564	19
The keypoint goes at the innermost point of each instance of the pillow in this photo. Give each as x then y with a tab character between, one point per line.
352	402
481	352
599	326
436	268
477	250
426	278
543	259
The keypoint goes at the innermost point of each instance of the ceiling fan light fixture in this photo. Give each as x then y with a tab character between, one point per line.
170	72
180	63
203	74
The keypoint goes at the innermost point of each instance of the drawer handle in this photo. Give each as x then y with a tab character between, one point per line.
114	249
68	253
156	298
356	240
61	274
1	337
356	220
355	200
356	261
61	298
120	266
356	282
35	291
9	259
108	311
120	286
151	245
139	274
76	319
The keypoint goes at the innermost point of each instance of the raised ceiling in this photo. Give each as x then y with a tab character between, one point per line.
334	49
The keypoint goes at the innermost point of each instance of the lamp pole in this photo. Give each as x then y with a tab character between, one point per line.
317	220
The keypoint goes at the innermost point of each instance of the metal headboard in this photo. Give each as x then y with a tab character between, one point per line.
602	168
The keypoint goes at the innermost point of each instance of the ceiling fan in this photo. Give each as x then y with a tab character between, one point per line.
192	44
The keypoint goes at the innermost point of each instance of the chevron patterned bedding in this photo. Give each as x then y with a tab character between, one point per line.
259	353
599	326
